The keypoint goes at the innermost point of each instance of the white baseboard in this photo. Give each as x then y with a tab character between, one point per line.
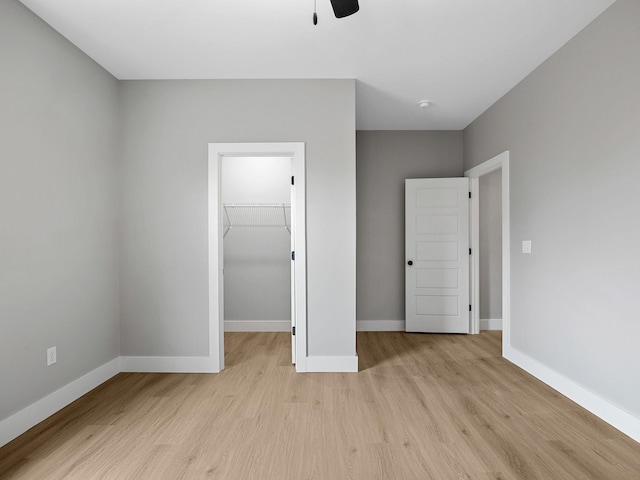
398	325
257	325
30	416
167	364
610	413
20	422
332	364
490	324
380	325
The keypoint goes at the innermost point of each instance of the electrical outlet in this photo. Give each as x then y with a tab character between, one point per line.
52	356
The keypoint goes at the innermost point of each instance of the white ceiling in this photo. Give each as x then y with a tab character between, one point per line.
463	55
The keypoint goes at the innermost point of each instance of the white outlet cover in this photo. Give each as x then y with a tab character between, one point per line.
52	356
526	246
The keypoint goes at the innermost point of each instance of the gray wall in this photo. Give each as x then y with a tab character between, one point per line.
58	207
573	129
384	160
257	274
167	126
490	206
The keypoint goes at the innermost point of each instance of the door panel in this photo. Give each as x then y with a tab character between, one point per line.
437	255
436	278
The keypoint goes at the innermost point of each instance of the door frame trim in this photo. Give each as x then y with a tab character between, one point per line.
499	162
217	151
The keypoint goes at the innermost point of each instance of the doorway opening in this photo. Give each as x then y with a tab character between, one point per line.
257	254
501	163
490	251
256	203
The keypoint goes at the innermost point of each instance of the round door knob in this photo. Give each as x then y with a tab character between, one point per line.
410	262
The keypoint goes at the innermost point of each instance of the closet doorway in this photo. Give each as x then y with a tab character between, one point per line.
256	204
499	162
257	267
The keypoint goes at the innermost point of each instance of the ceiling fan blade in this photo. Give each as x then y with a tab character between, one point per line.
344	8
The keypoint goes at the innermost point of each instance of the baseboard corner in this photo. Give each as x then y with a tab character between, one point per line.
490	324
167	364
21	421
612	414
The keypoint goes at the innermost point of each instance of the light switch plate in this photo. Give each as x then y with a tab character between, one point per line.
526	246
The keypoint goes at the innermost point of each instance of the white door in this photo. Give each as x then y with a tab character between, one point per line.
437	255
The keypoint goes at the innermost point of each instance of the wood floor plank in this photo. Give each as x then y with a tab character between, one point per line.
421	407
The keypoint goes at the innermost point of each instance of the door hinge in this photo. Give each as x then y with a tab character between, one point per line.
292	181
469	251
293	256
469	307
293	330
469	194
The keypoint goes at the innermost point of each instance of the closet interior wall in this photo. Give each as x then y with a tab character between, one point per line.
256	197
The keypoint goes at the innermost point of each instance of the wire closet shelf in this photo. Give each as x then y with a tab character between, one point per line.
252	215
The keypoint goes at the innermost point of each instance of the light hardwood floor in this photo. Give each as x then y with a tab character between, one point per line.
422	407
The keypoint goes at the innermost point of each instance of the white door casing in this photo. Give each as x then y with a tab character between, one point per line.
437	255
501	162
217	151
293	265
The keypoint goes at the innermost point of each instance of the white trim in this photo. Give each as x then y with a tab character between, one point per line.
166	364
257	325
474	261
332	364
21	421
398	325
295	150
216	294
500	161
491	165
380	325
490	324
610	413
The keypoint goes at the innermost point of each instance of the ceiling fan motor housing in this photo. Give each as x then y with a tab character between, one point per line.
344	8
